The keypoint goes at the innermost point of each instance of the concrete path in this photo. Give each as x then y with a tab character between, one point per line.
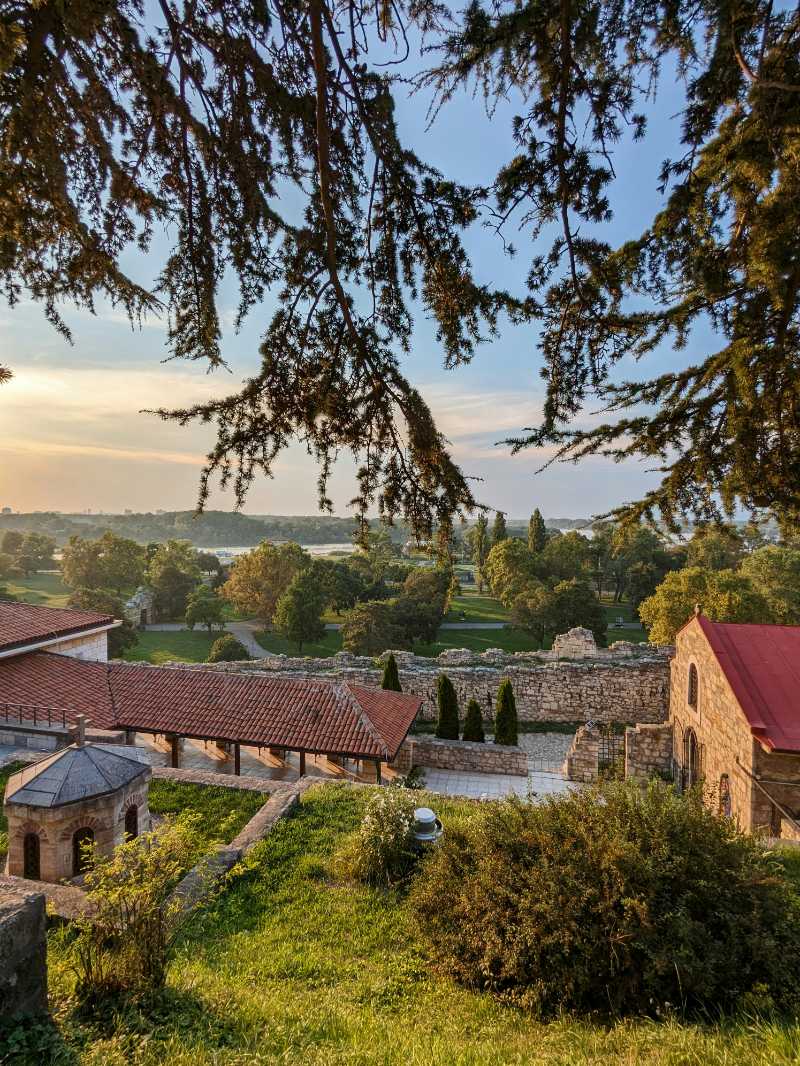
243	631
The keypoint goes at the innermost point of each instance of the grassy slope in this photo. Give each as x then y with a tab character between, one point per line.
223	811
179	645
48	590
289	968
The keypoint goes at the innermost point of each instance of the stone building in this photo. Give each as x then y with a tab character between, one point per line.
140	609
734	723
85	793
25	627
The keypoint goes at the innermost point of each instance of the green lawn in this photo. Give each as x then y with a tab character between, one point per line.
476	608
290	967
178	645
45	589
318	649
223	811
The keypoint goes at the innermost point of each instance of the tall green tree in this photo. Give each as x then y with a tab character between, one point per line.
505	715
260	577
477	540
391	677
775	574
371	628
298	614
173	573
509	568
262	139
723	595
204	608
473	723
107	601
537	532
499	530
447	703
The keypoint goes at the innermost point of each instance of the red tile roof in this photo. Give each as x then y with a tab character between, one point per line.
302	715
762	666
23	623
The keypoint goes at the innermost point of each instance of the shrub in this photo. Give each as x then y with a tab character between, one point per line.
447	723
227	649
127	944
505	716
381	851
473	723
615	900
391	678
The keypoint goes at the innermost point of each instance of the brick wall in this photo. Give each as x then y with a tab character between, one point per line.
463	755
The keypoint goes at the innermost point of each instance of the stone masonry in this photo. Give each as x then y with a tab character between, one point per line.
577	681
582	762
648	751
464	755
23	954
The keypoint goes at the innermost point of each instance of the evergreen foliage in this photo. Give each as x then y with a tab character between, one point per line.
499	530
391	678
505	715
473	723
447	702
537	533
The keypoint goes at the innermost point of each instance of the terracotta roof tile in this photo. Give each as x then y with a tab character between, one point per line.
299	714
24	623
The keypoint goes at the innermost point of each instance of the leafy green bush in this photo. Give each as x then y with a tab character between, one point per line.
125	947
447	723
227	649
615	900
505	715
473	723
391	678
381	851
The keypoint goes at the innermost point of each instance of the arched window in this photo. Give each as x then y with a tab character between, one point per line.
691	696
132	822
691	759
31	864
725	796
81	856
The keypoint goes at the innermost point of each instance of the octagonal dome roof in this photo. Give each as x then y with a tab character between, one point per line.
76	773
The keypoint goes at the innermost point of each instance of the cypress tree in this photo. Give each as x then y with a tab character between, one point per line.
447	725
537	533
391	678
505	718
473	723
499	531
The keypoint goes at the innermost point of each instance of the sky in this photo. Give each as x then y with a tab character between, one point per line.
73	438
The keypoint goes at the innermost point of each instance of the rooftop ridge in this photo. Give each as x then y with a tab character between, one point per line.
363	717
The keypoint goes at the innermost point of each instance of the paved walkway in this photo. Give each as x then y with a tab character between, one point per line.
495	786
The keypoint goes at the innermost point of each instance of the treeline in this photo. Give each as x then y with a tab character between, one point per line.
209	530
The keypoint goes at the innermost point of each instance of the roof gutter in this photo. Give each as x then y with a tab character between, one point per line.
50	641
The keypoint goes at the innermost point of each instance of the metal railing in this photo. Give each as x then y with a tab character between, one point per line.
34	714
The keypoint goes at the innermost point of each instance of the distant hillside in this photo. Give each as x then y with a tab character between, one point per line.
213	529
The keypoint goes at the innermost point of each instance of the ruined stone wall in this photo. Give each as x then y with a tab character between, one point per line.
583	757
648	750
779	777
577	681
23	954
464	755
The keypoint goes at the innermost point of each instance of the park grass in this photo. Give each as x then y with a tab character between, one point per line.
290	967
222	812
476	608
315	649
47	590
176	645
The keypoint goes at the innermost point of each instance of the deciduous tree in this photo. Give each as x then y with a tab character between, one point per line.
260	577
106	601
298	614
204	608
723	595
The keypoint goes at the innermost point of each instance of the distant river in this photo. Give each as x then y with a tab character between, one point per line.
312	549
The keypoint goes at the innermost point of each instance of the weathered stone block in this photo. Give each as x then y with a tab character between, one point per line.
23	954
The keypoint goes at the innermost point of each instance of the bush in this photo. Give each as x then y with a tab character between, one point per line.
447	722
473	723
616	900
227	649
381	851
391	678
505	716
128	943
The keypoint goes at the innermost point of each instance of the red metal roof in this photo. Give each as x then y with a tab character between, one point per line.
299	714
762	665
23	623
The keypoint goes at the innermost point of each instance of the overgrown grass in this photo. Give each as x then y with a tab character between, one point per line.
48	590
288	967
223	811
177	645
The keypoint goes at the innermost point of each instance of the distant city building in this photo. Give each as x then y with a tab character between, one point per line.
6	510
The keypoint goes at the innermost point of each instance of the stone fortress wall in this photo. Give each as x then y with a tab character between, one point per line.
576	681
